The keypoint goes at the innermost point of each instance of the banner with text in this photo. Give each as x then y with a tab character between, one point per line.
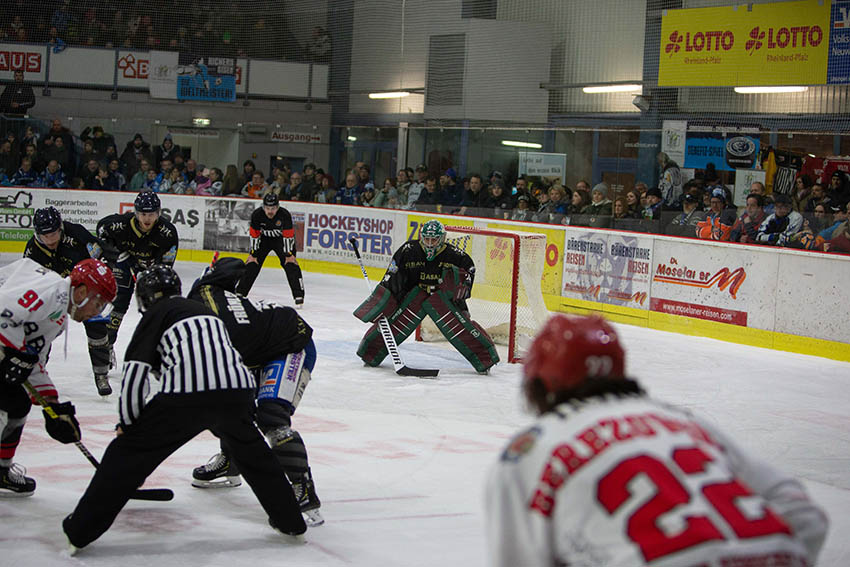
838	66
760	44
727	152
607	267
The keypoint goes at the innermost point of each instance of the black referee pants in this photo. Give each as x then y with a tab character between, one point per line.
167	423
252	270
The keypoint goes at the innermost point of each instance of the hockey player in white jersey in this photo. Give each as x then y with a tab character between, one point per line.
35	303
608	476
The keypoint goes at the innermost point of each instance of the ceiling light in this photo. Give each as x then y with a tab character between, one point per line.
201	121
614	89
395	94
352	138
770	90
521	144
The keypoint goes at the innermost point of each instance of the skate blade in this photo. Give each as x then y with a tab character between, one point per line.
225	482
313	518
12	494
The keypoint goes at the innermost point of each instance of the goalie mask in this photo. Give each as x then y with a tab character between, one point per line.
432	238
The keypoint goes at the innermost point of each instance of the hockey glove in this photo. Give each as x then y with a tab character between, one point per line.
60	423
17	365
464	286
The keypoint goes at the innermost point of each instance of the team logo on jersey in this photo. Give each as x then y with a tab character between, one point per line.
393	267
521	444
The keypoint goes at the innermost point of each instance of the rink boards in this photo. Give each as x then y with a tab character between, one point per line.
760	296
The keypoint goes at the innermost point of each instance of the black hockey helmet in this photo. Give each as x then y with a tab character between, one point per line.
147	202
155	283
226	273
271	200
46	220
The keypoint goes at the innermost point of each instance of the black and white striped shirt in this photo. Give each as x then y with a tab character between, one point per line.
187	348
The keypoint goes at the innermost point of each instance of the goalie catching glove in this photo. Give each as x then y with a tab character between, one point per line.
457	282
16	365
60	423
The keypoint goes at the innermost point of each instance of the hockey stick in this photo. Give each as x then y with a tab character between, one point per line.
386	333
159	494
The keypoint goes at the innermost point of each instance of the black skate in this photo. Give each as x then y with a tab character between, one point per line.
299	302
308	500
290	536
14	483
102	383
219	472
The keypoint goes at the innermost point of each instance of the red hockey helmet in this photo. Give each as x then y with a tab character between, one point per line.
569	350
97	277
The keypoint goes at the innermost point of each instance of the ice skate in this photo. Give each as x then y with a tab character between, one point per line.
14	483
299	302
308	500
288	537
219	472
102	383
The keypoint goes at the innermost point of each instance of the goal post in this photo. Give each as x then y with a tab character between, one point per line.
507	299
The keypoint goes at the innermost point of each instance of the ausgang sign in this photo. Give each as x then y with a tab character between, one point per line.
766	44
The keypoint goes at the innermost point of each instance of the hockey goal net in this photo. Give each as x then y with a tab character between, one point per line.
506	300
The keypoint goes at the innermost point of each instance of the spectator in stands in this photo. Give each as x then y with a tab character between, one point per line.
88	153
402	185
633	208
232	182
430	197
474	196
818	197
669	181
830	223
839	188
58	130
8	163
248	169
256	186
166	151
778	227
25	176
116	177
685	223
327	190
349	193
101	180
387	192
802	190
17	98
418	186
135	151
522	212
598	212
100	140
757	188
190	170
840	241
311	185
367	195
31	136
452	193
278	185
719	220
747	226
89	173
319	46
498	200
139	178
152	181
560	200
578	201
364	175
621	209
654	202
292	191
545	209
173	182
216	184
52	177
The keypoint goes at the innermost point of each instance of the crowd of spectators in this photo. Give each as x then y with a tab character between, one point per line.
236	28
813	216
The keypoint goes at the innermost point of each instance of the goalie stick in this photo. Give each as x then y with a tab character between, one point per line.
386	333
158	494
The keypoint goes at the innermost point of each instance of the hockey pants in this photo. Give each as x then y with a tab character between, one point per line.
252	269
167	423
98	340
126	283
462	332
15	405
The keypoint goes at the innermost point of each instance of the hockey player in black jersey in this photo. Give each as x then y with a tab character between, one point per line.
426	277
133	242
202	385
272	231
277	345
58	245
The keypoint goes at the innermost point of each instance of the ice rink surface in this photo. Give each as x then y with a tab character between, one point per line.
400	463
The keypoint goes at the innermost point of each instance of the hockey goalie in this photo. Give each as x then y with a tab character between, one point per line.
426	277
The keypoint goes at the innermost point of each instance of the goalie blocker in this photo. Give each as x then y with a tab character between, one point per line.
432	278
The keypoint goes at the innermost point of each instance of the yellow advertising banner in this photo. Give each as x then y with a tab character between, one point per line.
785	43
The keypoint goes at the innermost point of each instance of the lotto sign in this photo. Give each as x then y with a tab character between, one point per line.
760	44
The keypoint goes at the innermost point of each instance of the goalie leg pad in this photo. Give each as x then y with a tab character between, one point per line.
381	302
403	322
284	381
461	331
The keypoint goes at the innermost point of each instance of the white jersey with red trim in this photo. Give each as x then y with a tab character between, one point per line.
626	482
33	312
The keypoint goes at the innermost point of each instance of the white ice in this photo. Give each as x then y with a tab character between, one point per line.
400	462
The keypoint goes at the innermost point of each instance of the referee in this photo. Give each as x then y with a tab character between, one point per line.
272	231
203	385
